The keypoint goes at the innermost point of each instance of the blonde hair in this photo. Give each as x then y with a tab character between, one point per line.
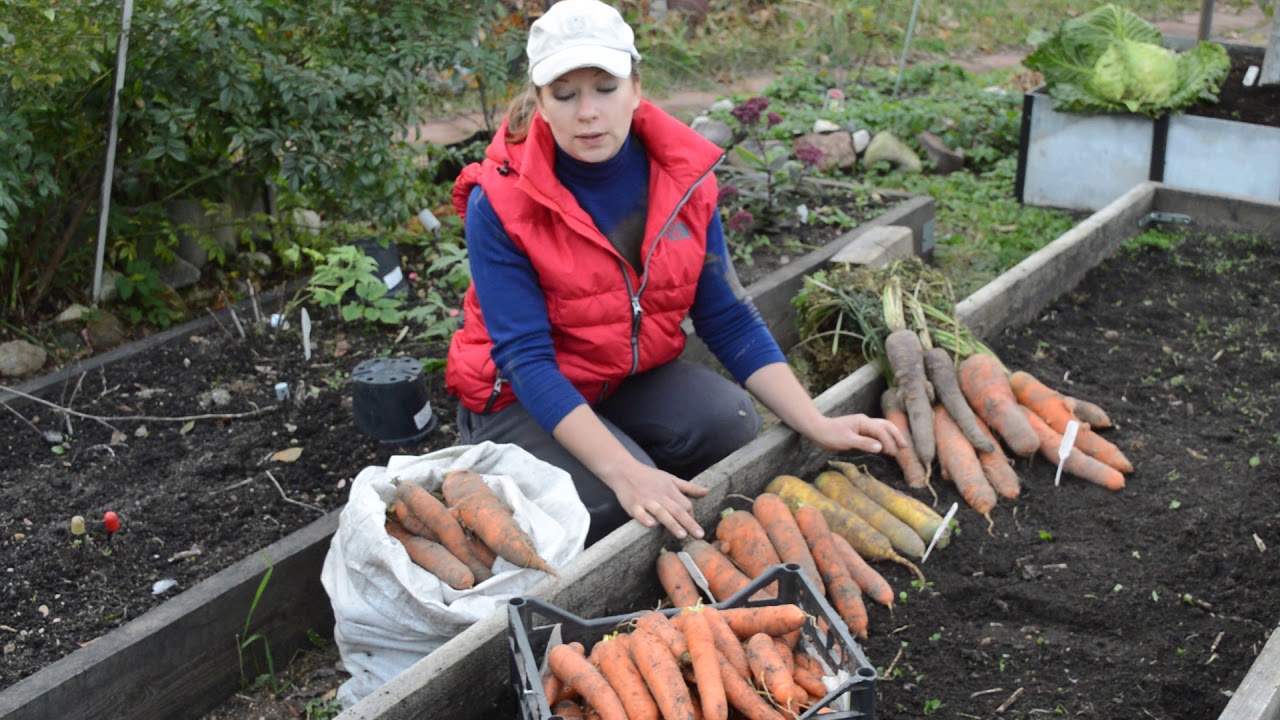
522	107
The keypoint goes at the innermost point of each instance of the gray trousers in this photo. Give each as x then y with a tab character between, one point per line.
681	417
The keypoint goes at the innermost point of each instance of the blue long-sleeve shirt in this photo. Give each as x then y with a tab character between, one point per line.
613	193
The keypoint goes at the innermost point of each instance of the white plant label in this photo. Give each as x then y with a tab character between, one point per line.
698	578
306	335
942	530
1064	450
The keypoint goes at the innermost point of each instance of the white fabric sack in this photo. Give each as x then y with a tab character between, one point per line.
389	613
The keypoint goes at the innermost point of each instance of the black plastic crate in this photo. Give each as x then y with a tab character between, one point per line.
532	623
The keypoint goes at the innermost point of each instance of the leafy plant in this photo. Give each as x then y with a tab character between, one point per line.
1111	60
245	639
145	298
348	279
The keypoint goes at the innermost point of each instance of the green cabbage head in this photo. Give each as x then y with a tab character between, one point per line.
1136	74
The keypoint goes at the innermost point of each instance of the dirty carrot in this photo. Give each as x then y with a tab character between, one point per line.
771	620
1077	463
842	591
1041	399
723	577
577	672
869	542
835	485
480	509
616	665
960	460
1099	448
705	659
942	373
400	511
676	581
985	385
433	557
914	473
568	709
770	673
1088	412
780	525
810	681
662	628
918	515
905	355
428	508
871	582
998	468
746	542
727	642
662	675
742	696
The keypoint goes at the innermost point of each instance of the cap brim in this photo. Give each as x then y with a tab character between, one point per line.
615	62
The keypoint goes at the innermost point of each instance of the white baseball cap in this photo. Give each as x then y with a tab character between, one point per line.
580	33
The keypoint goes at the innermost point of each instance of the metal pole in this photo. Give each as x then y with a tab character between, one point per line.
1206	20
906	46
122	50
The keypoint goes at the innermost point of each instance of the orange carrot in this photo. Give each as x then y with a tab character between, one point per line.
723	577
400	511
780	525
905	357
1088	412
705	659
676	581
748	545
662	628
986	386
810	681
480	509
662	675
770	673
998	469
568	709
942	373
742	696
433	557
842	591
771	620
914	473
428	508
1077	463
1052	407
483	552
574	670
867	578
616	665
959	459
727	642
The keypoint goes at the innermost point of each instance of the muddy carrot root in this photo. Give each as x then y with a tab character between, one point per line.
942	373
479	508
1077	463
575	671
676	581
986	386
914	472
780	525
433	557
835	485
748	545
998	468
617	666
913	512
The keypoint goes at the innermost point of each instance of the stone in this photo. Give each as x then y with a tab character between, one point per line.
105	331
722	105
309	220
861	139
178	274
824	126
884	147
945	160
19	357
837	149
73	314
714	130
108	293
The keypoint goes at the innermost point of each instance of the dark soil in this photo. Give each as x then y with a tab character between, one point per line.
1256	104
1150	602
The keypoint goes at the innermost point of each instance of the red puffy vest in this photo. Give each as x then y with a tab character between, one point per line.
607	321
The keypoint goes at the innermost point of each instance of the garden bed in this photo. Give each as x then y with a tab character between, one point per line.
1155	601
206	502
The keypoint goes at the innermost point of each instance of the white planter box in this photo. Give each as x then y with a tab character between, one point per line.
1084	161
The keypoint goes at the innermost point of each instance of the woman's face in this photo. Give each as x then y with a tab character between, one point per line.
589	112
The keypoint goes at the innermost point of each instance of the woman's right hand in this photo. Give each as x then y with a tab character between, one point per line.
653	496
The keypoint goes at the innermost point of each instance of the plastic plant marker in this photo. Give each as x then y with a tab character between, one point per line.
77	525
1064	450
306	334
111	521
946	523
694	572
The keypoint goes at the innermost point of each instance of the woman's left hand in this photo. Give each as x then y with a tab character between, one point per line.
857	432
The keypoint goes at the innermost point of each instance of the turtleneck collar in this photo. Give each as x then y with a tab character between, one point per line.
576	173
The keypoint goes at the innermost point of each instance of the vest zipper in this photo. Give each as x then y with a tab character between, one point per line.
636	312
497	390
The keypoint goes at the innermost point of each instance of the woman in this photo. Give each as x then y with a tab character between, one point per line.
592	231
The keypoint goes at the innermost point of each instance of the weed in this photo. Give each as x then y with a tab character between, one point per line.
245	639
932	706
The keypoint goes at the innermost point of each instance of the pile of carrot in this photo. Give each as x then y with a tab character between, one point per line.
833	529
458	535
701	663
961	407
